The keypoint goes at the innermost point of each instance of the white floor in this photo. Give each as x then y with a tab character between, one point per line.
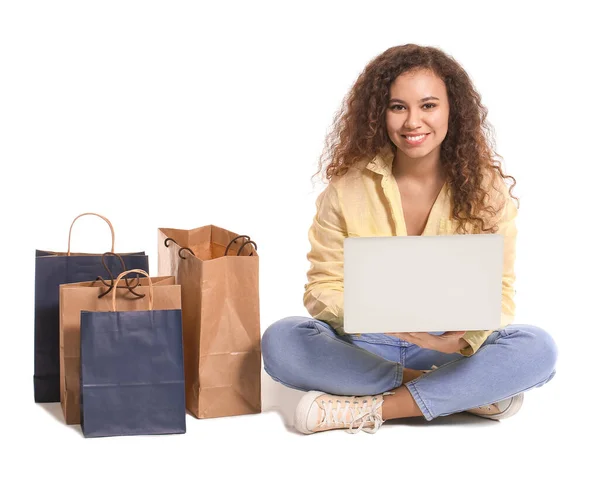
547	440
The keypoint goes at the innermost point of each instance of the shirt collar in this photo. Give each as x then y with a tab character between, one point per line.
382	162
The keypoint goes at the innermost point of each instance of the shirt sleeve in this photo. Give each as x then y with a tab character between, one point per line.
507	227
324	292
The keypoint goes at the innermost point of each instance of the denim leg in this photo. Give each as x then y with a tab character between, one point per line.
418	358
512	360
307	354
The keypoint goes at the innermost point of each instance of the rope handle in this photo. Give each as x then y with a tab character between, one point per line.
112	231
140	271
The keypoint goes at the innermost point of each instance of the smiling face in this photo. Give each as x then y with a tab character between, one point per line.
417	114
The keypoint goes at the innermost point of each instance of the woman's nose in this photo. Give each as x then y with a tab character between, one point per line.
413	120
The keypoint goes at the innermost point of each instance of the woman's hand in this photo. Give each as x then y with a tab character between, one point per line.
449	342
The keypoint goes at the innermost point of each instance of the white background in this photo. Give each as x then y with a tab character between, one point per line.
182	114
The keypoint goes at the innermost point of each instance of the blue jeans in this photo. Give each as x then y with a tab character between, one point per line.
307	354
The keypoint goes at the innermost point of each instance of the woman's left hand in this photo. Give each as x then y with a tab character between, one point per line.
449	342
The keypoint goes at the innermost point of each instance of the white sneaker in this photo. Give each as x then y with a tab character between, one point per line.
499	410
319	411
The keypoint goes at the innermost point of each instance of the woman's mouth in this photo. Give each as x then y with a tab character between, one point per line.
415	140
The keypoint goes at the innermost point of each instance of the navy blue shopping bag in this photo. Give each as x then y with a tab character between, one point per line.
132	379
51	270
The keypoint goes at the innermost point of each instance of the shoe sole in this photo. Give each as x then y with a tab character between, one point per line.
514	407
301	414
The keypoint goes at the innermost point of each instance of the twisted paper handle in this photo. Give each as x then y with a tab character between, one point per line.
112	231
124	273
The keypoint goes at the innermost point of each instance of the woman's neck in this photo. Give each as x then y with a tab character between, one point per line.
425	169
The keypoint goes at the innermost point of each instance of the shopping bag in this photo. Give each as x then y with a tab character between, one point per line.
95	296
51	270
218	274
132	380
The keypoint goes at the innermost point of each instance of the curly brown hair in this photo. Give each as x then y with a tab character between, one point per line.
467	153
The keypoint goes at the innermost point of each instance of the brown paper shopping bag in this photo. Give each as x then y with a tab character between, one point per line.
218	274
91	296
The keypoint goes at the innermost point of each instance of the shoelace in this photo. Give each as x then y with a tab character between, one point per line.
363	414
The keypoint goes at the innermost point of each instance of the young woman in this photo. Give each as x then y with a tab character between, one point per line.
411	155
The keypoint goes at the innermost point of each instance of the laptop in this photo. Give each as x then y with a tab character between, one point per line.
423	283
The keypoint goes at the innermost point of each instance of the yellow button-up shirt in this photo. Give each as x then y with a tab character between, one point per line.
366	202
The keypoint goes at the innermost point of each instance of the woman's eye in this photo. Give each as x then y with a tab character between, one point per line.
400	107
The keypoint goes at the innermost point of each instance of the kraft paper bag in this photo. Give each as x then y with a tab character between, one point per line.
51	270
132	379
91	296
218	273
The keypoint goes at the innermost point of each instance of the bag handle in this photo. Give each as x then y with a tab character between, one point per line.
247	242
167	241
234	240
185	249
180	249
112	278
112	231
140	271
